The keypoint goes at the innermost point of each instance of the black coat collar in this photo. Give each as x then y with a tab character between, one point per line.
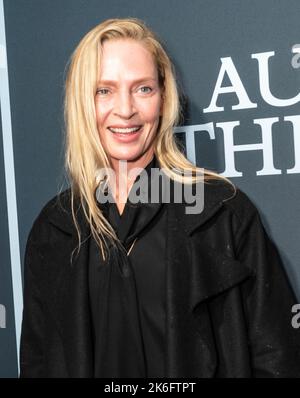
216	193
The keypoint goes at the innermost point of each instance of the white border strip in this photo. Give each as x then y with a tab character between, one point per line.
10	183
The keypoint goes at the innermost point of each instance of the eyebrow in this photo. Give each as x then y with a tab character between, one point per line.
114	83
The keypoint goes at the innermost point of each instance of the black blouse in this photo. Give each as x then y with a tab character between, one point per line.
127	293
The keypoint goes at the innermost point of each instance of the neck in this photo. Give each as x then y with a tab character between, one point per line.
126	173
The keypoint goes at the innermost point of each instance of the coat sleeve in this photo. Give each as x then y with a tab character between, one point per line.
268	300
32	333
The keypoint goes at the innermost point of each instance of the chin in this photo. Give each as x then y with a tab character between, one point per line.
128	155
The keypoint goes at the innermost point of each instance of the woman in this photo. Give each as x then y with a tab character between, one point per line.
115	288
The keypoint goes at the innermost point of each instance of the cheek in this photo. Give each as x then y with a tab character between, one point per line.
102	113
151	111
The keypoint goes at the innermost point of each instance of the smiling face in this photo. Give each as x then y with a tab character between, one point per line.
128	102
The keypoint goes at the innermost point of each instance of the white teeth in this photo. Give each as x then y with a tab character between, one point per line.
124	131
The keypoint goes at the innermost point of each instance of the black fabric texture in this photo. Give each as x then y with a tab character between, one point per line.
127	291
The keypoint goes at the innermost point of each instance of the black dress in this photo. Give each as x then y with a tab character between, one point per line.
127	293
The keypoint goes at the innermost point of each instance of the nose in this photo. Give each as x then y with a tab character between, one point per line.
124	105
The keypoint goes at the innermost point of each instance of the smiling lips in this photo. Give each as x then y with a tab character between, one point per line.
125	130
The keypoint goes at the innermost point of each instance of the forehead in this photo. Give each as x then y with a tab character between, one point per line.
126	58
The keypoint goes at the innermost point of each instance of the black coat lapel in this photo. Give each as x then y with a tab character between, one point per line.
75	316
193	276
188	353
69	300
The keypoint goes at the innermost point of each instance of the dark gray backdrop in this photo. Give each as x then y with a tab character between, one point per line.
41	34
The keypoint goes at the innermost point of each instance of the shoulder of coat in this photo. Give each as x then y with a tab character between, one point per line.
241	204
56	211
232	197
60	203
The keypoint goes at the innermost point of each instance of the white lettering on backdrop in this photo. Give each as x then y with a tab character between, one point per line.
244	102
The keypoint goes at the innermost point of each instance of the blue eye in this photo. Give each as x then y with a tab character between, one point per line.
146	89
102	91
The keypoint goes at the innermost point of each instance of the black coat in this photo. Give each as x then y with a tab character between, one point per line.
228	301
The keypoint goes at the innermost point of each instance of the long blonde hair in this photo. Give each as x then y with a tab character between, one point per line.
84	152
